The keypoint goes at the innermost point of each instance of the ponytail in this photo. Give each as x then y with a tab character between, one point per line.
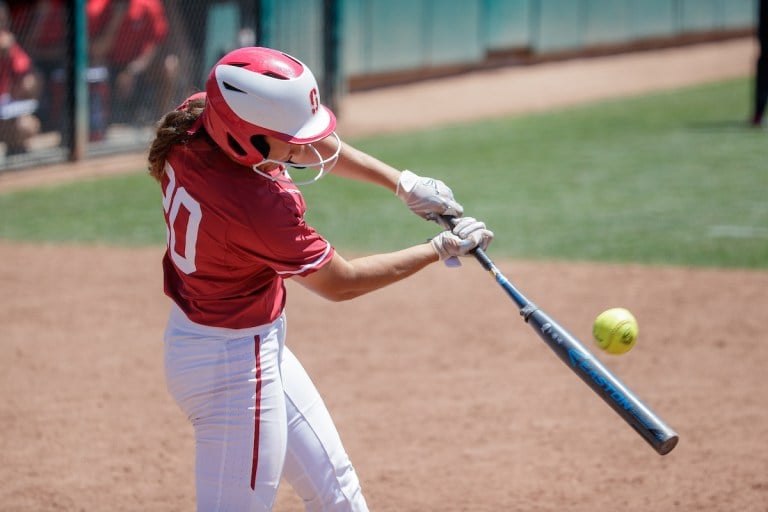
172	129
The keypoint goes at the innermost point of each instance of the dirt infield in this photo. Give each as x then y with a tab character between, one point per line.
459	410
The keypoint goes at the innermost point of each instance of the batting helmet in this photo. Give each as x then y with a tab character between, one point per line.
255	91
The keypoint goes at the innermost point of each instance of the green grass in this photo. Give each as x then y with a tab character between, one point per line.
122	210
673	178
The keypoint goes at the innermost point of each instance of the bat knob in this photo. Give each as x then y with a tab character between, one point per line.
668	445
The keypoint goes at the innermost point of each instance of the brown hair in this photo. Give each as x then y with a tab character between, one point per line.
172	129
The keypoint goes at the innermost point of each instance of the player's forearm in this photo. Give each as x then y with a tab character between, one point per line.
343	280
379	270
358	165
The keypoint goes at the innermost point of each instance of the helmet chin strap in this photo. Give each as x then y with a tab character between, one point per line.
324	166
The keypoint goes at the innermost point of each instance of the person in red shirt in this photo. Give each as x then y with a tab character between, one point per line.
128	36
19	90
226	161
42	25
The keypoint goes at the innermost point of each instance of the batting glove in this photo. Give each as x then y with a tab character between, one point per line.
427	197
467	234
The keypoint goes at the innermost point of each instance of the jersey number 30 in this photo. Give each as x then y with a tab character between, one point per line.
182	214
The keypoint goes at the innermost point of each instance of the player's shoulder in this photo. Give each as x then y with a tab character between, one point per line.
211	177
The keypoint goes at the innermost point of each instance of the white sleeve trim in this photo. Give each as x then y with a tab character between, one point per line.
308	266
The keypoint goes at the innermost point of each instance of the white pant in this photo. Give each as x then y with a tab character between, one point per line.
237	385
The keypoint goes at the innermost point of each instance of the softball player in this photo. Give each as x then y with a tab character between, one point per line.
235	232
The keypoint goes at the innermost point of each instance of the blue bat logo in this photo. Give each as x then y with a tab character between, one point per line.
583	361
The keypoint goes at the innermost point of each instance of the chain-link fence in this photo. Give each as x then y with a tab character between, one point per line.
85	77
141	58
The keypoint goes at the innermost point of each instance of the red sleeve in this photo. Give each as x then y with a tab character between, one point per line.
277	234
158	24
295	249
20	61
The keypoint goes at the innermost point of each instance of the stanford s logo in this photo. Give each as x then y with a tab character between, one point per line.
314	101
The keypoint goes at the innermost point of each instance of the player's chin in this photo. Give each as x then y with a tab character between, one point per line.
268	167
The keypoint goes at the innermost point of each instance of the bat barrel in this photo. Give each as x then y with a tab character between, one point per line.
609	387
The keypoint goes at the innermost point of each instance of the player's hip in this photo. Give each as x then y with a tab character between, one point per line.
216	367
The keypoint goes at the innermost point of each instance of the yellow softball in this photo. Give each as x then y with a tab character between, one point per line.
615	330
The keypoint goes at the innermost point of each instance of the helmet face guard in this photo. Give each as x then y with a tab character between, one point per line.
323	166
256	91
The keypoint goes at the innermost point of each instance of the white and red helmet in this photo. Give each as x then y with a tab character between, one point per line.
255	91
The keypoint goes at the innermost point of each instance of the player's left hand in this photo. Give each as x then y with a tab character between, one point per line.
427	197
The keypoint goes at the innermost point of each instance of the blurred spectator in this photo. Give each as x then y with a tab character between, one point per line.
127	36
44	25
42	28
19	90
761	75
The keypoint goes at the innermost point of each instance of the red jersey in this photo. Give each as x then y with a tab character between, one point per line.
144	24
233	236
